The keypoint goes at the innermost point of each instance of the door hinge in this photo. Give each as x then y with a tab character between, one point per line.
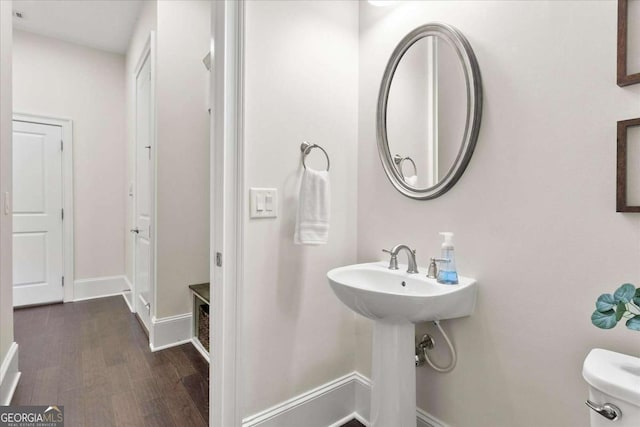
62	214
218	259
61	145
63	281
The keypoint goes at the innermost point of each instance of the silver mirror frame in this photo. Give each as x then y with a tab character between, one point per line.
474	109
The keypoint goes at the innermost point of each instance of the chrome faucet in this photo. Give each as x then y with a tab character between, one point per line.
411	256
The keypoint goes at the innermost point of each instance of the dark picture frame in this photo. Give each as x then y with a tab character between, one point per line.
623	78
621	179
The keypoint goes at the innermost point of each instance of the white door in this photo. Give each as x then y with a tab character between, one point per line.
144	196
37	214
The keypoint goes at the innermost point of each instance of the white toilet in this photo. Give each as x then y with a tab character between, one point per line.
614	388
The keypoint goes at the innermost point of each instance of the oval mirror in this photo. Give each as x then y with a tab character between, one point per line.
429	111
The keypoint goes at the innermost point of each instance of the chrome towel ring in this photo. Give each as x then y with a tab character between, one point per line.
399	160
306	147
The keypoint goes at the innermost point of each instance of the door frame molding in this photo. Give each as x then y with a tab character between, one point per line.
148	51
227	210
68	256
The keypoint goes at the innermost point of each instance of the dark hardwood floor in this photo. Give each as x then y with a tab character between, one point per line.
93	357
353	423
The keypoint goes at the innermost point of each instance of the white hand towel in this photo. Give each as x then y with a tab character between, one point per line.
411	180
312	220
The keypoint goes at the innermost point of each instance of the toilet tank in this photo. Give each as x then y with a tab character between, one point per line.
614	379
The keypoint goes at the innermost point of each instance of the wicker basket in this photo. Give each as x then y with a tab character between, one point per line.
203	326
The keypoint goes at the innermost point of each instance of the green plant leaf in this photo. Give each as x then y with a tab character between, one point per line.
604	320
605	303
636	297
620	311
634	323
625	293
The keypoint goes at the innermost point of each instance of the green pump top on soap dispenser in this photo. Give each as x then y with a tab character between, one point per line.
447	273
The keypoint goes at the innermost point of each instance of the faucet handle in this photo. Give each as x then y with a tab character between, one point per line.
393	262
432	272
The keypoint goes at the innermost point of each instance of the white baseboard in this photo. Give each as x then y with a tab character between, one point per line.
99	287
170	331
128	294
330	405
203	351
321	407
127	282
127	297
9	375
428	420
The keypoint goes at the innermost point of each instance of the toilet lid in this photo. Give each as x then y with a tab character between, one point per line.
614	374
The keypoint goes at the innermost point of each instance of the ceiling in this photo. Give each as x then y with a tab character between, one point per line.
100	24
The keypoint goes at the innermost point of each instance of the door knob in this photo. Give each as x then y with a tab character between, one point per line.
135	230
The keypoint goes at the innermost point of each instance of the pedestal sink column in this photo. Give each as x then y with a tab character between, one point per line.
393	388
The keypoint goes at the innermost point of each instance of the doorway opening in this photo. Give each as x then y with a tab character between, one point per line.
122	194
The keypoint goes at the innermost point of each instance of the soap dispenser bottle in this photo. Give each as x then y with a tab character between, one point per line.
447	273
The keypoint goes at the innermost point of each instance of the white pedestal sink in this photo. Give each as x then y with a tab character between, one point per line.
396	301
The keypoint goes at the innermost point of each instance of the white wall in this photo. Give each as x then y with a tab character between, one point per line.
6	233
184	38
57	78
534	214
300	84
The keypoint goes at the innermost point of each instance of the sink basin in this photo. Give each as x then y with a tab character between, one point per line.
378	293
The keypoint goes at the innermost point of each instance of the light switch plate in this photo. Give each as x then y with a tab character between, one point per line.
258	206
